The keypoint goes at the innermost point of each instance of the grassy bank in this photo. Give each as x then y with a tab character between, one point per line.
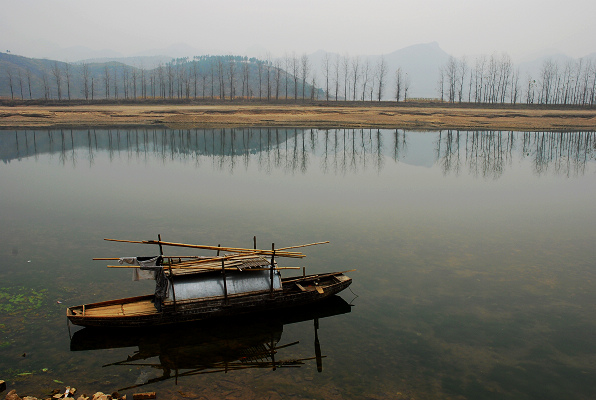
216	114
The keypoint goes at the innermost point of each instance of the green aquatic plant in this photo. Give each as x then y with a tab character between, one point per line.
21	300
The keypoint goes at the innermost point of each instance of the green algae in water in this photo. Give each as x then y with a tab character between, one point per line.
21	300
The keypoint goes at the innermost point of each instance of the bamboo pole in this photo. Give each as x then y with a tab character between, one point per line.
230	267
171	282
272	266
218	248
303	245
117	258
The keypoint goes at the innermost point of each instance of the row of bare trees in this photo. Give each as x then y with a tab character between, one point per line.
494	79
573	82
223	77
356	78
488	80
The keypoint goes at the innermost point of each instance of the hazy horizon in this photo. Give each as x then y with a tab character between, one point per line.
523	29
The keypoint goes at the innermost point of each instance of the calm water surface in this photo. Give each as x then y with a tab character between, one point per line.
474	254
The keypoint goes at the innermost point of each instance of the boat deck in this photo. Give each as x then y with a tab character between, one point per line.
141	307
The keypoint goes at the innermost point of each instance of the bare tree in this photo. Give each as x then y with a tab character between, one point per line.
336	67
212	65
45	81
398	84
245	68
381	71
29	82
21	83
10	81
479	78
441	83
463	69
287	64
171	75
260	75
326	67
451	75
305	71
125	81
106	80
313	87
295	70
530	94
505	68
277	77
67	73
195	75
365	77
134	82
407	84
143	82
86	80
515	86
220	71
232	76
57	72
547	73
345	63
115	81
268	74
355	74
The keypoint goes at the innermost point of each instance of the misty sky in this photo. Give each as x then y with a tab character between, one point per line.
522	28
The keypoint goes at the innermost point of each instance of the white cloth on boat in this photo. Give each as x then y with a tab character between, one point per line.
148	266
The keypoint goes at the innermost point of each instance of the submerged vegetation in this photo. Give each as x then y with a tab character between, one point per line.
19	300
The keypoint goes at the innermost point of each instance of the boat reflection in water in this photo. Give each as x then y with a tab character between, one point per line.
213	346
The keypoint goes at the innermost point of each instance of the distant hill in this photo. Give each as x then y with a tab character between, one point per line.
147	62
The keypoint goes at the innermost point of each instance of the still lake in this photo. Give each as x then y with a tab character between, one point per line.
474	255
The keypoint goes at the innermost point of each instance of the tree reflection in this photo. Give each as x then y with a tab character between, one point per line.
488	153
484	154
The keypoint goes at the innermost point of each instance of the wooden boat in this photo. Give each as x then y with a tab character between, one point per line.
219	345
246	281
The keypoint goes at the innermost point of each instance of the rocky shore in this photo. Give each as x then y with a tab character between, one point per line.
70	393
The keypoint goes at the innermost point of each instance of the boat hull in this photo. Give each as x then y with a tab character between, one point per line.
140	312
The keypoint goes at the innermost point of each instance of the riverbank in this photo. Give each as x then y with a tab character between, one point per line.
323	115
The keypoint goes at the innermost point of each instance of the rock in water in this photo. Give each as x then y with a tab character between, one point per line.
12	395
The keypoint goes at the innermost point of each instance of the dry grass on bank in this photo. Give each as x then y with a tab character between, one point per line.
310	115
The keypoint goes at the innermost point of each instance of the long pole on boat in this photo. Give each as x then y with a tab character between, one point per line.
303	245
272	266
160	248
292	254
172	283
223	271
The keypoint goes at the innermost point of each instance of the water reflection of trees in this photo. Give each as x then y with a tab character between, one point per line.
488	153
293	150
289	149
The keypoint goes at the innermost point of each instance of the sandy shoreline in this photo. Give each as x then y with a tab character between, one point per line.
312	116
